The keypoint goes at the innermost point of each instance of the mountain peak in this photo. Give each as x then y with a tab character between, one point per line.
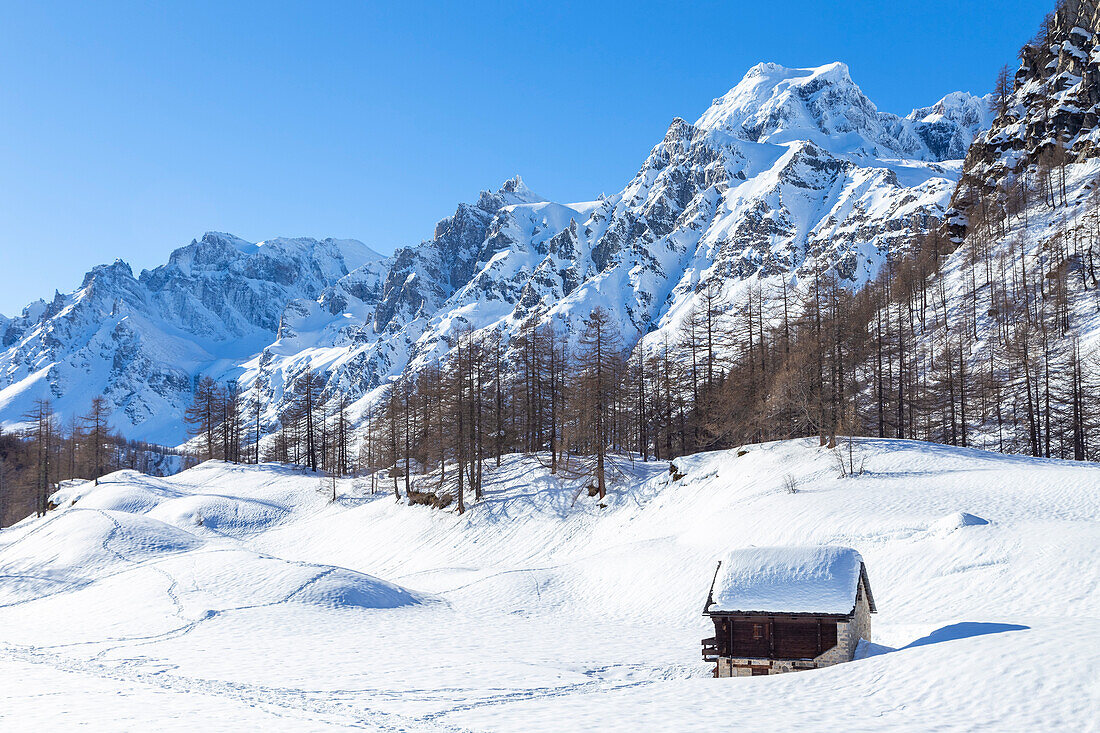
837	70
224	238
961	108
779	105
514	185
776	104
515	191
511	192
117	269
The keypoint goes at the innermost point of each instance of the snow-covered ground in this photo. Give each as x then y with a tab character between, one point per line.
232	597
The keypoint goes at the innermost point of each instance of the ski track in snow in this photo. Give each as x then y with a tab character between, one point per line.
280	699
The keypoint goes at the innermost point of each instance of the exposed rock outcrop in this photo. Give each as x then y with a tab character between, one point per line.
1051	116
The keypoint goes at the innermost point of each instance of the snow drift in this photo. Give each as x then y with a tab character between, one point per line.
131	528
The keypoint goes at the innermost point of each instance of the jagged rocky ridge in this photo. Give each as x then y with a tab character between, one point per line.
1053	110
142	340
790	170
1003	211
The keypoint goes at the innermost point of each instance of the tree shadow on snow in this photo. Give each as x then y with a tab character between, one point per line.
964	630
952	632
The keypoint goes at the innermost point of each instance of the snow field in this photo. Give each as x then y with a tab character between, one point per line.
537	610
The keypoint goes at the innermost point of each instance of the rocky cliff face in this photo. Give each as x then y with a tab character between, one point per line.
791	170
423	277
1052	114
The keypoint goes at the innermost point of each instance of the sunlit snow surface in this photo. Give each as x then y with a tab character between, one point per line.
238	598
788	579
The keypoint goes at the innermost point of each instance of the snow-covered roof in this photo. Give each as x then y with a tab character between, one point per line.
820	579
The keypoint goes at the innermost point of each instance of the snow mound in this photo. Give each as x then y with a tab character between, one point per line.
231	578
131	498
958	520
342	588
219	513
124	491
81	540
80	546
204	503
818	579
183	538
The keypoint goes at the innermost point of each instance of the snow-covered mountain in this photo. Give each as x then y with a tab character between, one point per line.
141	340
773	104
790	170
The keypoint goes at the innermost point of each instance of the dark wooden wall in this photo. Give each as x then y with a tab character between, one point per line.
774	637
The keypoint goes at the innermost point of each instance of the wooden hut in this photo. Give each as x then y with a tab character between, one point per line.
781	609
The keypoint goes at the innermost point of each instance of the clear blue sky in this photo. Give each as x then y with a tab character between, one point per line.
127	129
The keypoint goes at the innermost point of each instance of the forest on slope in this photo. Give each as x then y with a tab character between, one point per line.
979	332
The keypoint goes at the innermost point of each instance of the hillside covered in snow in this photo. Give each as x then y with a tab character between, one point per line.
791	171
243	596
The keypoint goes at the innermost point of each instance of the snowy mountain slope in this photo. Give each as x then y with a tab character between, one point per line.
793	169
536	606
141	340
774	104
1028	192
777	177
